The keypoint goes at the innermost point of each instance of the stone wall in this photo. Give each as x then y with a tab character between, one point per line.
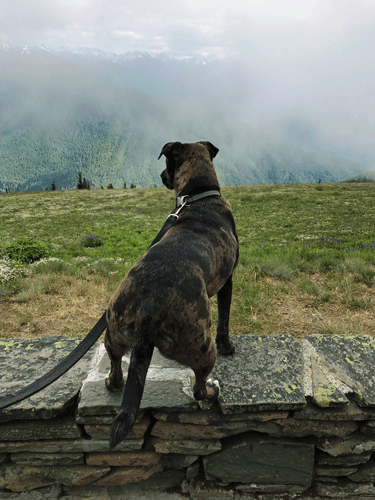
295	419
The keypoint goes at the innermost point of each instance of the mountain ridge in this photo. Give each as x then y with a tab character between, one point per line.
61	115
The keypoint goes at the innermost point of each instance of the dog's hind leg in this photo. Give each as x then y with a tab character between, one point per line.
116	346
224	298
202	368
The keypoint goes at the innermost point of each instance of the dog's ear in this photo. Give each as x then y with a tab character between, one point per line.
170	149
213	150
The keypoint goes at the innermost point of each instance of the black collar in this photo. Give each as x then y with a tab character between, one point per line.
181	201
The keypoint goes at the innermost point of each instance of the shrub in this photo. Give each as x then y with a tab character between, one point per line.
26	250
105	267
92	240
306	286
50	265
280	270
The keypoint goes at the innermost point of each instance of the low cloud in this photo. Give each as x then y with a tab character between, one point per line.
307	58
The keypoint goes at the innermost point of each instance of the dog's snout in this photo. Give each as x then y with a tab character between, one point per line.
166	180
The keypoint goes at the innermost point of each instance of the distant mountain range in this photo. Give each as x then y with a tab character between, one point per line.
108	116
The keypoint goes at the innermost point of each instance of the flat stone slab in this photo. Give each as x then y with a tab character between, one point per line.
349	359
22	361
168	386
325	394
265	373
81	445
349	412
21	478
252	458
62	427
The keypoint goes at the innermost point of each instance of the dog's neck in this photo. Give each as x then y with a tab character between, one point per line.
202	179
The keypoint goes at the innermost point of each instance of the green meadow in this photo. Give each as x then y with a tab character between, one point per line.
307	258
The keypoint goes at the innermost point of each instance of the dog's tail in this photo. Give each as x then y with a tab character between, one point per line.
139	362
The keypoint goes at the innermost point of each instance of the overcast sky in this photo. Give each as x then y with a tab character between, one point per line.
300	56
290	29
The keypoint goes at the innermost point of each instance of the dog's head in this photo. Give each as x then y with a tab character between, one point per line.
176	154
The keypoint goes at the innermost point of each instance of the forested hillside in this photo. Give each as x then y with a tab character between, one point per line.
59	118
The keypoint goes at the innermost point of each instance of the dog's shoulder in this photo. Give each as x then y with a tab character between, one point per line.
221	212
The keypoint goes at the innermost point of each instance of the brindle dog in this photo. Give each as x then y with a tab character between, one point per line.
163	301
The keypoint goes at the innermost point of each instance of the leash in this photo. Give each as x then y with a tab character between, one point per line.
98	329
181	202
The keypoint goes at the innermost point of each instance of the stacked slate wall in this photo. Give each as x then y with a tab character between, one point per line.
295	419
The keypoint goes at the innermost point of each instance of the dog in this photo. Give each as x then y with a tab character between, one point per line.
163	301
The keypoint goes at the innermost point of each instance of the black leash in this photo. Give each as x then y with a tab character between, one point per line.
98	329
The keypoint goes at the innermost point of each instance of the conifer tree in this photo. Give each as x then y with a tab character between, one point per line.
80	183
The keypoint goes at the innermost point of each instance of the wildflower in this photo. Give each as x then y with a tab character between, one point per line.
44	261
8	271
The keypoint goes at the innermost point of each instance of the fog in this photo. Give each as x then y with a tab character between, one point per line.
305	61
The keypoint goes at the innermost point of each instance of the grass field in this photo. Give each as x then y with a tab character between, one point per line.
307	260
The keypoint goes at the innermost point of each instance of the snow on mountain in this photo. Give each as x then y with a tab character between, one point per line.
96	54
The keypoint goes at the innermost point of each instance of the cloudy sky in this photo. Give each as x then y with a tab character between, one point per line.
298	56
290	29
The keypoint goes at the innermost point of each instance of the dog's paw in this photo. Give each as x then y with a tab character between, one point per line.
213	390
224	347
113	387
215	386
